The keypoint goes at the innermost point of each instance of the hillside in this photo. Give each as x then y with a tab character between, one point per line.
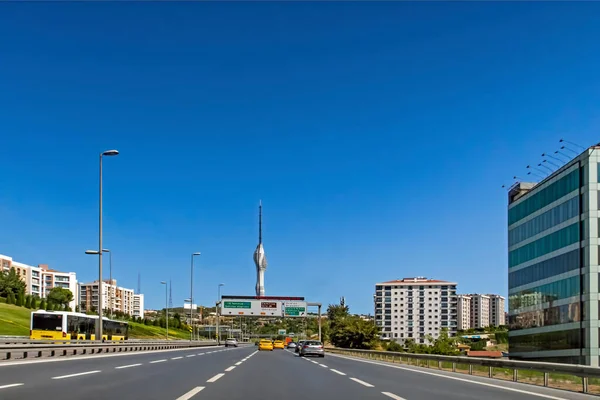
14	321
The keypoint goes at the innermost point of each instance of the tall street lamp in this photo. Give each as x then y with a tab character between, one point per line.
108	153
166	305
110	288
192	295
217	335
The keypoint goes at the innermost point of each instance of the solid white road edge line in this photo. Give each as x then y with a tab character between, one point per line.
191	355
546	396
238	363
191	393
74	375
11	385
230	368
337	372
176	358
158	361
128	366
215	378
323	365
361	382
393	396
94	356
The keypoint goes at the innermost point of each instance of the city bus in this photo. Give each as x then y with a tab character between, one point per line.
68	325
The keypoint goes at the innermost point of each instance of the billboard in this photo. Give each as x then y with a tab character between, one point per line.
263	308
186	306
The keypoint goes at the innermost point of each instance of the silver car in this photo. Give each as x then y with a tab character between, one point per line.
299	346
231	342
312	348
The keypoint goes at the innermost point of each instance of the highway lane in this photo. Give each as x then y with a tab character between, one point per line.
152	375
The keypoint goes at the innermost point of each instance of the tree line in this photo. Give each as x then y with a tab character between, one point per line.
13	289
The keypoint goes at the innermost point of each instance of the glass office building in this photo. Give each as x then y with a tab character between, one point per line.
553	258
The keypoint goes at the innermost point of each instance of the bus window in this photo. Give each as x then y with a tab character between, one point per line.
47	322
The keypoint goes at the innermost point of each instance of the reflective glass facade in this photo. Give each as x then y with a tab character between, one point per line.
550	316
557	215
544	245
545	269
542	198
559	340
545	293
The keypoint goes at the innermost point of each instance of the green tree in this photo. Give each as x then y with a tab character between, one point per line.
34	302
77	308
338	311
20	301
28	301
10	298
60	297
43	304
394	346
354	332
10	282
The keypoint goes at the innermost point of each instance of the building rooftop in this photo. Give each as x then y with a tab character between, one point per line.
419	279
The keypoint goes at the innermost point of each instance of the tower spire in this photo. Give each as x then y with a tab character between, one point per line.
260	259
260	222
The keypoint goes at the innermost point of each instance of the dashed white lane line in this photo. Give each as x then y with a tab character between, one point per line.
215	378
238	363
323	365
191	355
176	358
191	393
158	361
200	354
361	382
314	362
11	385
546	396
337	372
128	366
392	396
230	368
74	375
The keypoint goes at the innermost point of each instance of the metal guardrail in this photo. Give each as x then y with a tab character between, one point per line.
24	349
582	372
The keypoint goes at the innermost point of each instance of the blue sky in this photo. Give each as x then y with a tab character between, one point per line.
378	136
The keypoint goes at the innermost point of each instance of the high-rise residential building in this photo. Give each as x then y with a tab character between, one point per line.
464	311
497	310
114	298
553	263
415	308
480	311
41	279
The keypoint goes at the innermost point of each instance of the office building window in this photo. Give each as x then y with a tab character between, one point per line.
545	269
545	245
545	293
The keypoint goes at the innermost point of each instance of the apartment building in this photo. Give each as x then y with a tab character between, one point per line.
39	280
464	311
497	313
114	297
553	264
415	308
480	311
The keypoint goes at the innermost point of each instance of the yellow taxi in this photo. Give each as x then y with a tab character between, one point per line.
278	344
265	344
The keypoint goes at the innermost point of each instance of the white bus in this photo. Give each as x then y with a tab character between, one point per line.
68	325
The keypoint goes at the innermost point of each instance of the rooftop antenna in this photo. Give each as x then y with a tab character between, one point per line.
554	158
566	148
545	166
538	171
551	163
571	143
557	152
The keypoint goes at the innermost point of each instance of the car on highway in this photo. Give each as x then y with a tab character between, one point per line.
312	348
278	344
231	342
291	345
299	346
265	344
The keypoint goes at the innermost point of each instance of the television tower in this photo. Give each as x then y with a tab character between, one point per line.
260	259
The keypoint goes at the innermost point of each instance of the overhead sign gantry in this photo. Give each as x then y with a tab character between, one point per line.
263	306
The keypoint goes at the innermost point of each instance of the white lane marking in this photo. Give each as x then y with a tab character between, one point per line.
323	365
393	396
314	362
546	396
158	361
230	368
337	372
128	366
191	393
74	375
191	355
200	354
361	382
75	358
238	363
11	385
176	358
215	378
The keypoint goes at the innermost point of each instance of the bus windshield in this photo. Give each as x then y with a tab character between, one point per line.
47	322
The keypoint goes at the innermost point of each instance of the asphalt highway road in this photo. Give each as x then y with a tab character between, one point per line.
217	373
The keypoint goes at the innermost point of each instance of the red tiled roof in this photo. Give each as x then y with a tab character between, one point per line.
483	353
411	280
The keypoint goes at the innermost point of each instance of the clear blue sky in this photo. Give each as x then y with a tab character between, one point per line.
377	135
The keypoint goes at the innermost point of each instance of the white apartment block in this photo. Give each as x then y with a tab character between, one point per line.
497	313
41	279
480	311
114	298
415	308
464	311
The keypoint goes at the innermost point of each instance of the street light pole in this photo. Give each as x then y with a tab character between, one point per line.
218	335
110	289
192	295
166	305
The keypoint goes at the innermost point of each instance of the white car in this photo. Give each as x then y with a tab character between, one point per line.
291	345
231	342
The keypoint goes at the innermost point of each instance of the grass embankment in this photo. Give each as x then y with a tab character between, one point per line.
14	321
